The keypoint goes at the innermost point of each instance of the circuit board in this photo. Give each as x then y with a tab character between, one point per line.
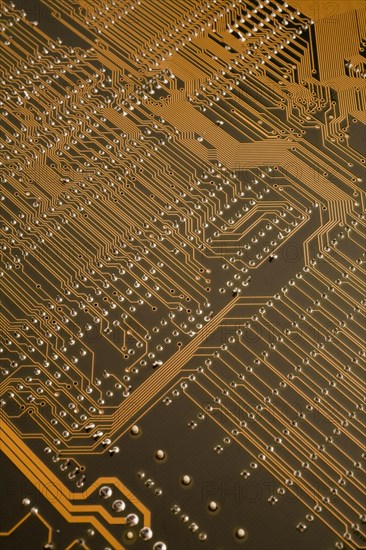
183	274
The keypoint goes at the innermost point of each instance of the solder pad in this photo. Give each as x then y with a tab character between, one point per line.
183	274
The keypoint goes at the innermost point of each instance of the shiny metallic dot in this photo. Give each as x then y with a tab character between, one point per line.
118	505
146	533
105	492
240	533
132	519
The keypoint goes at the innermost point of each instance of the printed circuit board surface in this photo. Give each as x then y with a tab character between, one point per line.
183	274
